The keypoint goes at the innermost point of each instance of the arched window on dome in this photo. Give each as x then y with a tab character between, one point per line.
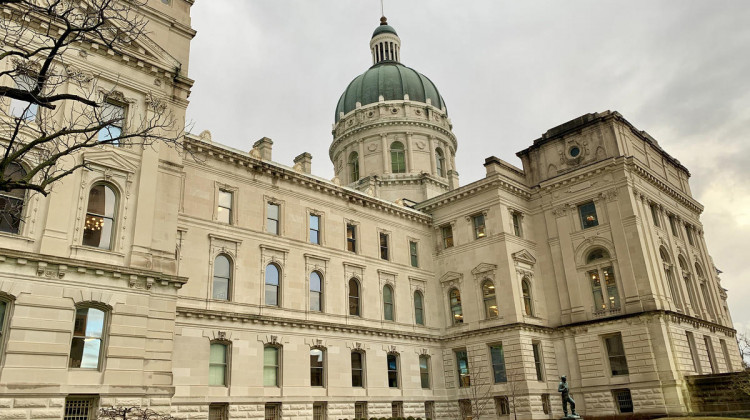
100	217
353	167
398	158
669	275
490	299
439	162
11	202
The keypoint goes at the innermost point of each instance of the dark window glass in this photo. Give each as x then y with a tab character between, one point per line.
388	303
480	230
439	162
86	347
79	408
11	202
272	218
100	217
315	229
383	246
447	232
360	409
418	308
358	377
462	365
655	215
351	238
588	215
623	400
392	361
616	353
217	411
316	292
498	363
429	409
222	277
354	297
527	302
273	411
317	367
673	225
424	371
413	256
517	224
455	302
272	285
501	405
398	158
490	301
537	349
353	167
545	403
597	254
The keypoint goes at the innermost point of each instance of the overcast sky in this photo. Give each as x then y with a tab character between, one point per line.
508	71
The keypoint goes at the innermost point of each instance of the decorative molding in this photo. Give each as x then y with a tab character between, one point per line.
523	256
451	279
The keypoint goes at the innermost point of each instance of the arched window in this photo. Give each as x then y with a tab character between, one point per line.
11	202
272	285
398	158
353	167
100	217
418	308
317	367
358	369
687	277
388	303
271	365
88	335
607	297
669	274
490	302
354	308
439	162
222	277
527	302
316	292
704	291
218	364
457	312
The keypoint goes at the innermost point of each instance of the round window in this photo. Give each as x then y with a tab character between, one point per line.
574	151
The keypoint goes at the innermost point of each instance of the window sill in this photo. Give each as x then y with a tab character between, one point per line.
17	237
97	254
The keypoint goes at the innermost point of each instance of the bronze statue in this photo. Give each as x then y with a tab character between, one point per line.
565	391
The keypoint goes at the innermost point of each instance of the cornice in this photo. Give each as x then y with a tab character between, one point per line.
495	181
276	171
57	267
654	180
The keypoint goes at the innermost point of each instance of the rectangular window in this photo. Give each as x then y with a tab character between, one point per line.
271	366
479	228
725	353
413	256
272	218
360	409
358	372
536	347
517	224
383	246
392	361
465	407
711	354
673	225
351	238
588	215
217	411
315	229
655	215
545	403
447	232
217	365
689	230
424	371
429	409
80	408
22	109
693	352
320	411
623	400
224	210
462	368
317	367
397	409
498	363
618	364
273	411
502	408
88	335
113	115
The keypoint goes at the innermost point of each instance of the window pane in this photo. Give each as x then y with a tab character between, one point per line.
3	309
462	363
223	215
217	375
272	293
270	366
424	372
272	275
221	288
536	347
218	353
314	222
596	289
11	210
418	308
612	293
588	215
456	310
225	199
90	356
316	367
221	266
94	323
498	363
315	282
272	226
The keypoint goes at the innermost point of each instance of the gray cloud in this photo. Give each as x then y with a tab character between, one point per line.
508	71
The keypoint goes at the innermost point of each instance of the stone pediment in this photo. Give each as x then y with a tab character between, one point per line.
483	268
524	256
451	278
109	159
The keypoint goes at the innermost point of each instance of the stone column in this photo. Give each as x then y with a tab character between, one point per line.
362	170
433	164
409	153
386	160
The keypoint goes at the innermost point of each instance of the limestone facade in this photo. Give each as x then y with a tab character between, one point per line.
237	287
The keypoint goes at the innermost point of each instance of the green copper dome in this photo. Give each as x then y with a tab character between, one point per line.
392	80
384	28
